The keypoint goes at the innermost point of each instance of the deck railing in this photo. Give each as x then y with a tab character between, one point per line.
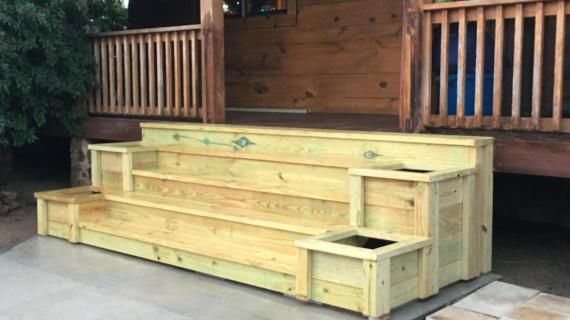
150	72
493	64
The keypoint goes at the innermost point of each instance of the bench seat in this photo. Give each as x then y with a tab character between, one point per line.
278	260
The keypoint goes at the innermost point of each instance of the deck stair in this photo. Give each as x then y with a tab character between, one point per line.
361	221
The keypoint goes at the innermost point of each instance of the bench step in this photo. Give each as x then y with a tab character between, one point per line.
250	217
298	186
226	249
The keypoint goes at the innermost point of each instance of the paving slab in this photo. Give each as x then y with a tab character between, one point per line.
532	313
454	313
551	302
497	299
542	307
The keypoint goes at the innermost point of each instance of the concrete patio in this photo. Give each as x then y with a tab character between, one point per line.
47	278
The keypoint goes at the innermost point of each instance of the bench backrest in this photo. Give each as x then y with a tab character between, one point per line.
305	172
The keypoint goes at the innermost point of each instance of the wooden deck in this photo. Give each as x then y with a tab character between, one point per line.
364	122
128	129
520	153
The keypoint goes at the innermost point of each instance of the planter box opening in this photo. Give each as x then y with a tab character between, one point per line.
414	170
365	242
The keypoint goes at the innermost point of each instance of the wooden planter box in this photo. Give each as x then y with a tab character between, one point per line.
416	200
361	269
59	211
424	244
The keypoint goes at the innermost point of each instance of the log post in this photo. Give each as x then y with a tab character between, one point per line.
410	82
212	14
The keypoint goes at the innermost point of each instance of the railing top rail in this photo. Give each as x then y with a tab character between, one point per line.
147	31
473	3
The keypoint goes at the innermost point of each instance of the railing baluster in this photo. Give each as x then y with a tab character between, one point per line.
127	71
168	73
91	101
98	45
194	66
461	68
498	71
517	66
112	84
185	74
177	68
444	69
144	75
204	112
105	74
427	69
480	67
558	100
151	76
537	70
159	75
119	74
135	75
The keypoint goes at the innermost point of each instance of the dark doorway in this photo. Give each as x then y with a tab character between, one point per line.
164	13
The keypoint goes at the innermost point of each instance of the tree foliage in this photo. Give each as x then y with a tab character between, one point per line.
46	68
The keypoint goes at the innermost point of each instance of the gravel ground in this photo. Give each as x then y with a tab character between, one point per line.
533	255
20	224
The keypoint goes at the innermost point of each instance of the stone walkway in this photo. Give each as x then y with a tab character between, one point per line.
505	301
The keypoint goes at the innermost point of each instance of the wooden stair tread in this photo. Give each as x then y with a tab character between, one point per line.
241	183
123	229
226	249
251	217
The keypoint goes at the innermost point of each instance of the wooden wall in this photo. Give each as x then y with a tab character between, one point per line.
336	56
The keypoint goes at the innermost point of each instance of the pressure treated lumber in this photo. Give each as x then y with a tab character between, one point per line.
362	221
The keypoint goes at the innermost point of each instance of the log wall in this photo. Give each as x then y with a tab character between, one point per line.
332	56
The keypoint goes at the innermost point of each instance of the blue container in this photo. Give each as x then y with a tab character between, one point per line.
470	95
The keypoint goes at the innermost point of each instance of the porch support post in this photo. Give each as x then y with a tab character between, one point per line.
80	165
212	18
410	82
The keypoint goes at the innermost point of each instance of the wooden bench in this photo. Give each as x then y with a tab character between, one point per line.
358	220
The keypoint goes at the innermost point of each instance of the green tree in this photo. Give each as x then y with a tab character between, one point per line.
46	68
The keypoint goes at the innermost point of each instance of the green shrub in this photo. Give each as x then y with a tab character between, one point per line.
46	68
